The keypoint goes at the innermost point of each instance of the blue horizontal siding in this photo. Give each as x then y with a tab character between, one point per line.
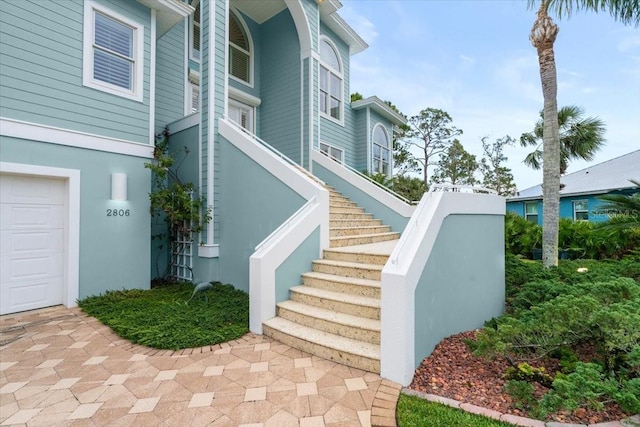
170	78
41	70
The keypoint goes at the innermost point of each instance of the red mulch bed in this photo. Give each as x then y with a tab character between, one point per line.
453	371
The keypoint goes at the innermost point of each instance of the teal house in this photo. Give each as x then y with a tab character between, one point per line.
580	192
259	93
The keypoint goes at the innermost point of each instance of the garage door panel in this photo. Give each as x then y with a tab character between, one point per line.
21	216
32	294
32	190
15	270
36	243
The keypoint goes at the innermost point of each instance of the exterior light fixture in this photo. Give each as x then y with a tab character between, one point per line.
118	186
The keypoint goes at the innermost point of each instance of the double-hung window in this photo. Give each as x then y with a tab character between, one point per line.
580	210
239	50
531	211
113	52
330	81
381	153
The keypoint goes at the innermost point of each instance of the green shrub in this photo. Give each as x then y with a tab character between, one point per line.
521	236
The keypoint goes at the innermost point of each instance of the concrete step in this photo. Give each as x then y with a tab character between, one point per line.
335	301
341	203
337	242
346	210
342	254
358	216
348	269
359	230
345	325
346	285
350	352
364	222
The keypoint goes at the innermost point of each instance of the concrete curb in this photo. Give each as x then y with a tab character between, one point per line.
633	421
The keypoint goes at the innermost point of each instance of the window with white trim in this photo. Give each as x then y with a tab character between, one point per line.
194	32
331	82
194	97
239	50
381	151
580	210
332	152
113	52
531	211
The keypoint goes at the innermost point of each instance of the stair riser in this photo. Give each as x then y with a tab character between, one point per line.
355	257
338	270
345	210
352	332
358	216
339	306
345	288
339	203
366	364
356	231
356	240
354	222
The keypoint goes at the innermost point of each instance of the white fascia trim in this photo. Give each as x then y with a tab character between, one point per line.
401	274
152	81
72	138
184	123
372	190
72	245
170	12
187	72
244	97
208	251
368	136
211	87
381	108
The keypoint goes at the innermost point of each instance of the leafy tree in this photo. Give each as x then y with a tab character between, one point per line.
580	138
356	97
430	132
456	166
543	35
495	175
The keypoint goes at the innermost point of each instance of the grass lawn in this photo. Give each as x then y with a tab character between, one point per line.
162	318
415	412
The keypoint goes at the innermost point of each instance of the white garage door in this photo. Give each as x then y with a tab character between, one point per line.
32	237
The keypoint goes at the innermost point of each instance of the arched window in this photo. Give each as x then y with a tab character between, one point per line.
239	50
381	152
330	80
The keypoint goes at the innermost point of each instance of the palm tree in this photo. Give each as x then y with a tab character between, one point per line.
580	138
625	207
543	36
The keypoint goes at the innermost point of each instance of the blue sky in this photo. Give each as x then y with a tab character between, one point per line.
473	59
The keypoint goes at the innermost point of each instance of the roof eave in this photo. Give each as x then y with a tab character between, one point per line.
169	13
381	108
329	15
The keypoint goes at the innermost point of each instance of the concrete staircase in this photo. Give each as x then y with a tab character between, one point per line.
335	313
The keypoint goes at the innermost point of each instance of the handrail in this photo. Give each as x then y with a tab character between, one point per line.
383	187
269	147
287	223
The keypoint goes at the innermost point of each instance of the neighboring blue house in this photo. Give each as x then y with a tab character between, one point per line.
259	92
579	196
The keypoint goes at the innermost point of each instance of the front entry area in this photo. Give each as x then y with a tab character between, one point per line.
33	229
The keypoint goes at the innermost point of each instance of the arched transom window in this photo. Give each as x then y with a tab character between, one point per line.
381	152
239	50
330	80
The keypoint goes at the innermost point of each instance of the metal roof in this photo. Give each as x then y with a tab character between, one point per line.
601	178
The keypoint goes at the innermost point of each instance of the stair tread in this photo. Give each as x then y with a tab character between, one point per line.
343	279
367	235
348	264
325	339
331	316
359	227
337	296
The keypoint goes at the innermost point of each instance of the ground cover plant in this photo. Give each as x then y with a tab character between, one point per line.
415	412
162	318
567	348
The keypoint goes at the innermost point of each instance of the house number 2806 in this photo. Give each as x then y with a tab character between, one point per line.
118	212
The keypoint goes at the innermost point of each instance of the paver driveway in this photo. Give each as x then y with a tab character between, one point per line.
60	367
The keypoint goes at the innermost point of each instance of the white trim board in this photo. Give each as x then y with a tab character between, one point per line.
72	138
72	241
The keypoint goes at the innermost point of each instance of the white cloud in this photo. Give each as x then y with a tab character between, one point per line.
520	76
360	23
630	41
